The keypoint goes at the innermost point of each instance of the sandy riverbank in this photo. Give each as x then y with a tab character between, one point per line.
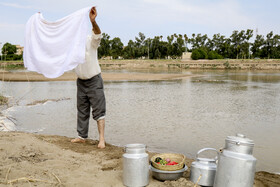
53	160
71	76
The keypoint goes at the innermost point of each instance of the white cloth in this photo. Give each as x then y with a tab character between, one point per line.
52	48
91	66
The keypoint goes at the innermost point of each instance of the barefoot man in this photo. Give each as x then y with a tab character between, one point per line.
90	93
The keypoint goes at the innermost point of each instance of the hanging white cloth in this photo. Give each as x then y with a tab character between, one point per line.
52	48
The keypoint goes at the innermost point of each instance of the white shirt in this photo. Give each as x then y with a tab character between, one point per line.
91	66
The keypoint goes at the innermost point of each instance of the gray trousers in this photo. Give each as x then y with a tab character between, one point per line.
90	94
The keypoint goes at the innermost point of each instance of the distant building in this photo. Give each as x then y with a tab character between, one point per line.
107	58
19	50
186	56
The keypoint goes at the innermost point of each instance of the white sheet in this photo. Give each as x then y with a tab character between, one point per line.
52	48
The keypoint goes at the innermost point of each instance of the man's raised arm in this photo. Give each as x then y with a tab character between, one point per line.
92	16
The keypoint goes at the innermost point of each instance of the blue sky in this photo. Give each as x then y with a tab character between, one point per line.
125	19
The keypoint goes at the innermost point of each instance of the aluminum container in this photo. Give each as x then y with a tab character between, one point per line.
236	164
163	175
135	165
204	169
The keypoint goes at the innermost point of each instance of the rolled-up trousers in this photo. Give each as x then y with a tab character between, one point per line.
90	95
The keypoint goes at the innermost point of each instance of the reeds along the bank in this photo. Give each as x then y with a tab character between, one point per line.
29	180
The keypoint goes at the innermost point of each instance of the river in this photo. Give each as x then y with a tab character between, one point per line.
168	116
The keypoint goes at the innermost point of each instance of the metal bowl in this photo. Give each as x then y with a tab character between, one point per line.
167	175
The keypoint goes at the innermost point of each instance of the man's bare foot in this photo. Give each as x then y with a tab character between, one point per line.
78	140
101	145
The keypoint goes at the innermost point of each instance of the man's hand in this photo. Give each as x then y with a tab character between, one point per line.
92	14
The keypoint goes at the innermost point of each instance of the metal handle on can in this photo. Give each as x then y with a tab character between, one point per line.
206	149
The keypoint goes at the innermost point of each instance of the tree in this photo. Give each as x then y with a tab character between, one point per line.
186	41
155	47
236	46
240	43
195	54
169	46
220	44
276	47
157	54
180	45
141	48
129	50
214	55
257	46
199	53
104	48
203	53
9	49
116	47
198	40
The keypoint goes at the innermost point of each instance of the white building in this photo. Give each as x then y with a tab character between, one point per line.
186	56
19	50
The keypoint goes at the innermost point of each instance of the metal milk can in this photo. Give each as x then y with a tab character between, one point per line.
236	164
135	165
203	170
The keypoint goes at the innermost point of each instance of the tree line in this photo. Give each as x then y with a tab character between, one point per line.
142	47
238	46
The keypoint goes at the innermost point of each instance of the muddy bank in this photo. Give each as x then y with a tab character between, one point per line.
43	160
240	64
71	76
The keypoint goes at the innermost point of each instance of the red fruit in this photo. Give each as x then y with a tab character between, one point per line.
173	163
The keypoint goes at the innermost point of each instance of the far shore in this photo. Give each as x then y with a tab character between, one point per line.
154	65
236	64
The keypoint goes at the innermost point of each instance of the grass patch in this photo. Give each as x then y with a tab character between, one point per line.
3	100
227	65
214	66
13	66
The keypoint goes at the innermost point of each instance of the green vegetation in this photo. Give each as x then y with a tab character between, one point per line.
237	46
3	100
11	65
143	47
14	66
9	52
214	55
227	65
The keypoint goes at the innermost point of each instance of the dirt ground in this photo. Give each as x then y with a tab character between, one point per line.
43	160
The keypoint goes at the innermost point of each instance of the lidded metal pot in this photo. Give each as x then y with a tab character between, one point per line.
203	170
236	164
135	165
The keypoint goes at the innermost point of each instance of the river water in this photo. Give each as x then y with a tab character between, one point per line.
168	116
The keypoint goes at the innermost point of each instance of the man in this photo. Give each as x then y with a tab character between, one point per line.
90	93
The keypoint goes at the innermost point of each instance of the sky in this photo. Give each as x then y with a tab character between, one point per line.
126	18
